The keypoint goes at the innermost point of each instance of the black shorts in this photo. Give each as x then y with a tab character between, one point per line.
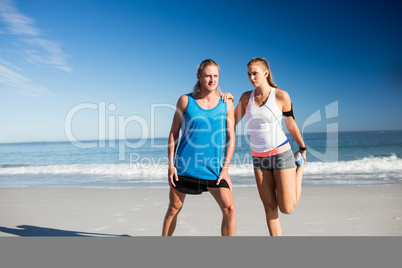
189	185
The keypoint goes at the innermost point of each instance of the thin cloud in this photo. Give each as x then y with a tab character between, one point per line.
16	23
19	83
40	51
53	56
9	65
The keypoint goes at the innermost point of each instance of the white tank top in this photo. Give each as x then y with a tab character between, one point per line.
265	124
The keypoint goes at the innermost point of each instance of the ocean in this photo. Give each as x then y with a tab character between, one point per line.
344	158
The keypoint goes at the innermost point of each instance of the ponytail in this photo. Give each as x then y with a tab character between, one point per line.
271	80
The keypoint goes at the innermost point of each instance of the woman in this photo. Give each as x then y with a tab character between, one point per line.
201	161
277	177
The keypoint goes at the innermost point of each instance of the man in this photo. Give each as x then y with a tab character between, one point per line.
205	150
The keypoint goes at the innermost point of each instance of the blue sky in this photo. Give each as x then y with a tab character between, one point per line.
125	63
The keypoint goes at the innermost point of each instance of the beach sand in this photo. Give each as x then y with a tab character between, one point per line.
322	211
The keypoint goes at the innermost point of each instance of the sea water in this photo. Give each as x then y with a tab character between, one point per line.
344	158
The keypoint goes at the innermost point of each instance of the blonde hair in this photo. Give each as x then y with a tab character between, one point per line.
264	62
204	64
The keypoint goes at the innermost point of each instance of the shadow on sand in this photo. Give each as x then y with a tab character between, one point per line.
29	230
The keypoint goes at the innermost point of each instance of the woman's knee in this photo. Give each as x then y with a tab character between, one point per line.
174	208
287	208
270	208
229	210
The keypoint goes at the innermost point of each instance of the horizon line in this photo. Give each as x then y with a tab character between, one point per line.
165	137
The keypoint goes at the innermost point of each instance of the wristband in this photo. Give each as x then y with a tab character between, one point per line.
302	149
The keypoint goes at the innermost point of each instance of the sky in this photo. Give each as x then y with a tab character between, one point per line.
92	69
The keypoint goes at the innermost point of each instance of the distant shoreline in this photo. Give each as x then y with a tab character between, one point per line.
134	139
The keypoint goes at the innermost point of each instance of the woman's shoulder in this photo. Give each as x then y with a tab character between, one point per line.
184	97
246	95
183	101
281	94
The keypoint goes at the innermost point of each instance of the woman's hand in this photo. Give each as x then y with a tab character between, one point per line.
172	175
226	96
304	154
225	176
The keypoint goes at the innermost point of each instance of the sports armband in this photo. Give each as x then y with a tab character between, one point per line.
290	113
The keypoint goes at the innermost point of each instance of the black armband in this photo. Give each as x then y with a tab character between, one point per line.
290	113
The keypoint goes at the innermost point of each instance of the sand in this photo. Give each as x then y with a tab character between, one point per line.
322	211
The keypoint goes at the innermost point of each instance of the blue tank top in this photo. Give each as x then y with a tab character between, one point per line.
203	141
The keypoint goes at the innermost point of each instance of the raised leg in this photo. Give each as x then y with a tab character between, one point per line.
288	185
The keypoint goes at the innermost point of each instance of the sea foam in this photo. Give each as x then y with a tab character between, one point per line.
368	165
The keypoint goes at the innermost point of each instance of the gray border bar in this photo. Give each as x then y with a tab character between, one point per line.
202	252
